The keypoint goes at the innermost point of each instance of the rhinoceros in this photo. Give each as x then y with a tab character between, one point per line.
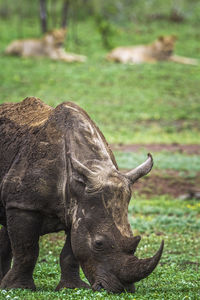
57	172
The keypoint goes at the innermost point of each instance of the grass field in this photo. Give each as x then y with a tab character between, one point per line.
141	103
156	103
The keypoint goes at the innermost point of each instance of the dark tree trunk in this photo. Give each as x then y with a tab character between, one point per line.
66	4
54	15
43	15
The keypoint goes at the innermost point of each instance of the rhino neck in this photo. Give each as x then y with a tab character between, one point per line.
83	141
88	146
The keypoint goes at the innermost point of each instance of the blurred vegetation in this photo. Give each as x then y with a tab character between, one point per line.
138	103
118	11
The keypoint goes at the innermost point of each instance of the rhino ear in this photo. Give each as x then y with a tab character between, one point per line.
141	170
81	169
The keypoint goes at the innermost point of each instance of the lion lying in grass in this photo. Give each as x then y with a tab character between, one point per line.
50	45
159	50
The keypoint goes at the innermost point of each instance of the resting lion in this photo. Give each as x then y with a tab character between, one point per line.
50	45
159	50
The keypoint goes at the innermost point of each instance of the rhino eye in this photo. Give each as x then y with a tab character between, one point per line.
98	244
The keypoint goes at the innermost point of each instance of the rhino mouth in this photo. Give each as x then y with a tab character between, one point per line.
111	286
133	270
102	286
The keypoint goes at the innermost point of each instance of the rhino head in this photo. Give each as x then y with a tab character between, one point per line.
101	237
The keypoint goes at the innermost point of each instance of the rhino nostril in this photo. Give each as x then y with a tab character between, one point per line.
97	287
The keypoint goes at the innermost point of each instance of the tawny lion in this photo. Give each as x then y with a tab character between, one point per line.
50	45
159	50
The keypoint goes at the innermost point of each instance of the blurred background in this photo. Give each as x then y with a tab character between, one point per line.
139	108
152	102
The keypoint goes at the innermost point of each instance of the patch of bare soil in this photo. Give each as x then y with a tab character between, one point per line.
168	182
186	149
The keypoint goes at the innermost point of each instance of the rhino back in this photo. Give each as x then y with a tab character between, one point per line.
16	121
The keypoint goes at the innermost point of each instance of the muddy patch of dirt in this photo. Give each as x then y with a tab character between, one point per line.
165	181
186	149
168	182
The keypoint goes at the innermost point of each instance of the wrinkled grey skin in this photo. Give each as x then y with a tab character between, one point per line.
57	172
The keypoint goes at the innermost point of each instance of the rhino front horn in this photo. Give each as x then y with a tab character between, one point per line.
141	170
136	269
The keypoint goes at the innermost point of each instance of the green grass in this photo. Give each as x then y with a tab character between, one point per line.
176	277
142	103
155	215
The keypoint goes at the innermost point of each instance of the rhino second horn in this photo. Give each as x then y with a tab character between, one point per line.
141	170
137	269
135	242
131	244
